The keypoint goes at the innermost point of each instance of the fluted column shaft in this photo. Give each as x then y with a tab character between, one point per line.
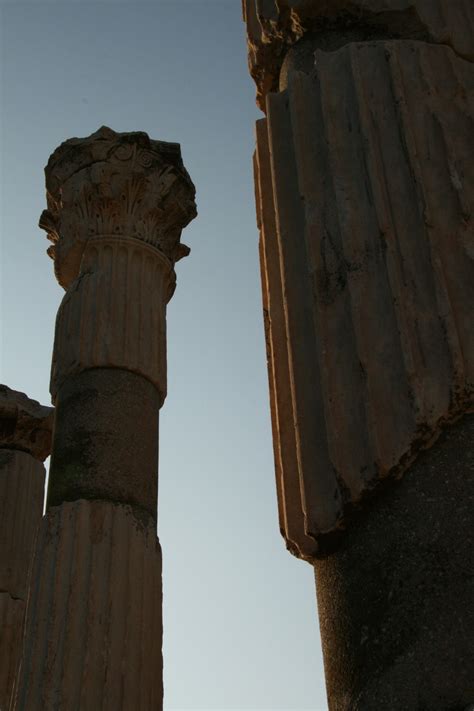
96	595
364	188
25	438
116	206
21	506
109	375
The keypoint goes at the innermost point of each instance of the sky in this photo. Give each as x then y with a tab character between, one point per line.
240	618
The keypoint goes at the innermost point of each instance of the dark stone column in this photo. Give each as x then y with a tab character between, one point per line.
396	598
106	440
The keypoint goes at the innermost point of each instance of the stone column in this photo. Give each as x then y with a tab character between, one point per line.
117	203
364	189
25	442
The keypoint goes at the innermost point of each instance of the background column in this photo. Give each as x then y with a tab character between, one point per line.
25	442
116	206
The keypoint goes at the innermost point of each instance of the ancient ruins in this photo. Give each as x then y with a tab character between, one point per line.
364	189
117	203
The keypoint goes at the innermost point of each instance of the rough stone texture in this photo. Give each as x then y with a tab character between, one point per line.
115	185
369	282
11	626
290	512
395	600
93	629
21	507
24	423
275	25
106	440
114	314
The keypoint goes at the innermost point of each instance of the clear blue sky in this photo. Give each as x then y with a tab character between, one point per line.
239	611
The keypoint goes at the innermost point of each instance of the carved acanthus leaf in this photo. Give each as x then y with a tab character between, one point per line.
121	184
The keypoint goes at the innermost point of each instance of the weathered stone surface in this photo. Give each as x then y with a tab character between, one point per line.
114	314
275	25
292	524
368	272
24	423
106	440
115	185
21	507
395	600
11	626
93	628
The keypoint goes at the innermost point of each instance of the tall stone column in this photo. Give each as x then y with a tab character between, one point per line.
25	442
117	203
364	189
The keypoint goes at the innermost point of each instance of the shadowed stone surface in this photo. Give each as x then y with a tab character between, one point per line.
274	26
363	198
396	599
93	632
21	507
12	613
364	192
24	423
25	441
106	440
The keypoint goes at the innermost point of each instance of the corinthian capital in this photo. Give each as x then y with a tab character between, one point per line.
112	184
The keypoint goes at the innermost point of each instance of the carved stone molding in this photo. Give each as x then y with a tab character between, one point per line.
121	184
273	26
24	423
364	195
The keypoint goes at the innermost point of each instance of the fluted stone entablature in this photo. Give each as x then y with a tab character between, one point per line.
117	203
25	441
274	26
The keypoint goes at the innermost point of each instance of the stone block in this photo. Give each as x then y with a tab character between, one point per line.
93	629
114	314
21	508
12	613
368	267
24	423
